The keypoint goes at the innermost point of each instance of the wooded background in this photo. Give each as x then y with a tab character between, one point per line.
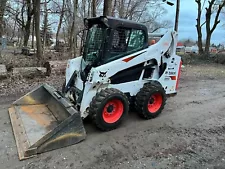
34	23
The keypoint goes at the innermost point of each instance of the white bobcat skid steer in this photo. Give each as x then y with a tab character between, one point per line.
118	69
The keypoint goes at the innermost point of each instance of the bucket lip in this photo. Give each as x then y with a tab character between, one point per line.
17	129
45	85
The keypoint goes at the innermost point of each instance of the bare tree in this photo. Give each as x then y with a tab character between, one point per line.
209	29
114	8
107	10
2	11
27	26
33	32
74	35
60	21
84	8
89	8
149	12
22	14
45	24
36	6
73	28
177	16
94	8
199	26
214	7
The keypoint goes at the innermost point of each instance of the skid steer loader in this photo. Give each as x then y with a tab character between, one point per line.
118	69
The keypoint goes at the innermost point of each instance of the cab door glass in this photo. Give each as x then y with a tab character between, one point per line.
125	41
120	40
136	41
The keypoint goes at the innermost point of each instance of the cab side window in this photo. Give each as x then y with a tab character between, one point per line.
120	40
126	41
136	41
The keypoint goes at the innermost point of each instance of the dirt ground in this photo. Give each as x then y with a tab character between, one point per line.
190	133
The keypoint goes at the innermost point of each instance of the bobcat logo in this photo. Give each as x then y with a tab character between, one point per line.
102	74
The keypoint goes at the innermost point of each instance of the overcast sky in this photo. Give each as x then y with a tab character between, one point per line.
188	15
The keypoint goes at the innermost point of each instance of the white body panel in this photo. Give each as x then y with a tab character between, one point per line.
95	82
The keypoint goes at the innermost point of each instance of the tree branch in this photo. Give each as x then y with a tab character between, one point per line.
217	21
203	24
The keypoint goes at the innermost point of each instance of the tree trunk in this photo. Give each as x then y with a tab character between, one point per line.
28	23
177	16
122	9
21	40
56	67
27	32
94	8
14	30
64	36
75	30
207	44
89	8
36	4
200	45
45	25
82	42
83	7
33	26
60	23
107	11
2	10
199	27
208	34
114	8
209	29
73	35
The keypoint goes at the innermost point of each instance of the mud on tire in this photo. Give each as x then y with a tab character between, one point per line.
108	108
150	100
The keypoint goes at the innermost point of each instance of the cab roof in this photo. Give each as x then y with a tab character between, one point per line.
115	22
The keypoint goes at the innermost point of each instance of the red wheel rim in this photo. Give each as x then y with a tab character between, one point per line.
112	111
155	102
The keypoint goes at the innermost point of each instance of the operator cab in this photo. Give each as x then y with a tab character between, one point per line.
111	38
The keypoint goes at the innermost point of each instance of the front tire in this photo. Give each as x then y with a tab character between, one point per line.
108	108
150	100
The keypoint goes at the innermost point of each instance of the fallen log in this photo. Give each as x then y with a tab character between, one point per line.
3	72
56	67
30	72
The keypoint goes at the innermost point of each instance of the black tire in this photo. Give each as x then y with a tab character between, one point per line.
118	107
151	92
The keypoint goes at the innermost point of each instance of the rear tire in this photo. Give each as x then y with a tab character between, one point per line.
108	108
150	100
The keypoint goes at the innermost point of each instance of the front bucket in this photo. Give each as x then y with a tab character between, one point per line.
43	120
